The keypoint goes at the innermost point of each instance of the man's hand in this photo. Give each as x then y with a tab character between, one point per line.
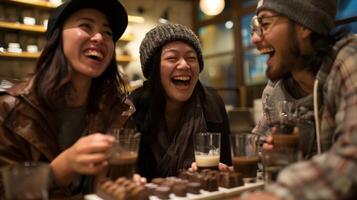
268	144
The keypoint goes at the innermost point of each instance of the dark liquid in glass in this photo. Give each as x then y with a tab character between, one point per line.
285	152
123	165
286	140
246	166
207	167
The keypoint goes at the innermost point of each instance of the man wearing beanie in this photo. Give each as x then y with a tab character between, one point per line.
314	66
173	105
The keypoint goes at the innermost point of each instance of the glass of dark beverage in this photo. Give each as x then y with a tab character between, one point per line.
244	156
285	140
124	153
285	152
207	150
26	181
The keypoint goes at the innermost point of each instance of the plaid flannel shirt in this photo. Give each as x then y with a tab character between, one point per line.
333	174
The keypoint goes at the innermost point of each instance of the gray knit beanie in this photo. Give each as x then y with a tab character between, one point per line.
162	34
317	15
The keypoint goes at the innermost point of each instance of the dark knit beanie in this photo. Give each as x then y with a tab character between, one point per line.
317	15
162	34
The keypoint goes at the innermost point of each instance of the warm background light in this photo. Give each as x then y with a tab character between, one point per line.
212	7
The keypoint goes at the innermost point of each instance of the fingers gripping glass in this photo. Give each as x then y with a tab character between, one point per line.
263	24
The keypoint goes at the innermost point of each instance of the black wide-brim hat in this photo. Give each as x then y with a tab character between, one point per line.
113	9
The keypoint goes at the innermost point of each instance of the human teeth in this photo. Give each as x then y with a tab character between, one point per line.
182	78
266	50
94	53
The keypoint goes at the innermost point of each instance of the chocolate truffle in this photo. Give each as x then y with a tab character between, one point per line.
162	192
179	189
194	187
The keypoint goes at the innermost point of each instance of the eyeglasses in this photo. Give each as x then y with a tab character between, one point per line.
262	25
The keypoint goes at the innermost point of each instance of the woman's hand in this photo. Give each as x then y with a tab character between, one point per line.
221	167
139	180
89	155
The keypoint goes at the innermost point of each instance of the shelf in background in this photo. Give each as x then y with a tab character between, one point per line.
119	58
19	55
49	5
22	27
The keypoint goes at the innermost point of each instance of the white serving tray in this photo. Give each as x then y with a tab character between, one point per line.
205	195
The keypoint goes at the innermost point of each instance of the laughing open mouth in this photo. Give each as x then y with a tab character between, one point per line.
181	80
270	51
94	55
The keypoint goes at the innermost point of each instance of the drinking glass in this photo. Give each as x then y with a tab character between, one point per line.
284	117
286	148
123	154
207	150
26	181
244	155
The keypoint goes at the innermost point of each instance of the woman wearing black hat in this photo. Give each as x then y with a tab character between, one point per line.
76	94
173	105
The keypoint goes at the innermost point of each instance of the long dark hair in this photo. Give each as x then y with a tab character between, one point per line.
53	77
154	96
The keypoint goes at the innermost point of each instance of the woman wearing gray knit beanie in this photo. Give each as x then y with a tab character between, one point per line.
173	105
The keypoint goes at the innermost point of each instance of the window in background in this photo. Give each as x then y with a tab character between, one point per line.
254	67
254	63
216	38
245	31
347	8
220	73
218	52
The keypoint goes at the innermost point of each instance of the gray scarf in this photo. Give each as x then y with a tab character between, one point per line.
179	153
